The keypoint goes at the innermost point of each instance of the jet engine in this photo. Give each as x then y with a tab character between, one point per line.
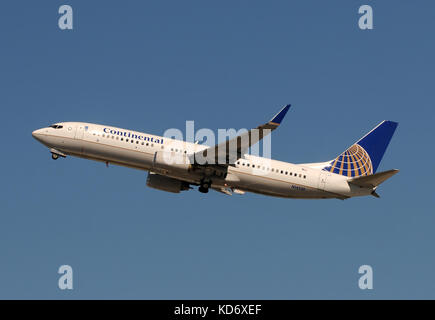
159	182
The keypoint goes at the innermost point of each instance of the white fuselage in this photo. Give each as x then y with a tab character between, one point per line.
253	174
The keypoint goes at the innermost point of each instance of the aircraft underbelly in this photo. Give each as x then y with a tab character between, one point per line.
261	184
118	155
274	187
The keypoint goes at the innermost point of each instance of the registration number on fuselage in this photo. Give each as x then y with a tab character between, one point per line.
299	188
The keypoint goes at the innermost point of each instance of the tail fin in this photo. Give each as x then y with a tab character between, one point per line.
363	157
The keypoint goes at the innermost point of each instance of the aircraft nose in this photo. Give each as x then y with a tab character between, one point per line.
37	134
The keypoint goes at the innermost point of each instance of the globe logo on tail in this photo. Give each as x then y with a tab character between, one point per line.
354	162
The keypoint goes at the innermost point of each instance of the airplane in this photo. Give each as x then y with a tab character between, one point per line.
352	173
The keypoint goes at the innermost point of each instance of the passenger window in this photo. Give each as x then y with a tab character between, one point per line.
126	140
286	172
305	177
281	171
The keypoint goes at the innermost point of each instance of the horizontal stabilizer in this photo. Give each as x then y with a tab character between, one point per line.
373	180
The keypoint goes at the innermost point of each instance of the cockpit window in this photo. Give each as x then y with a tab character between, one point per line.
56	126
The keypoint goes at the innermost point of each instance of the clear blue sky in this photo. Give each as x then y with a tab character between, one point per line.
151	65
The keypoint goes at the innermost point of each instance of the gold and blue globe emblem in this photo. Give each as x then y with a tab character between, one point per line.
354	162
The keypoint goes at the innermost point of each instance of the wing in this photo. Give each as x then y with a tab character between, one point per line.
229	151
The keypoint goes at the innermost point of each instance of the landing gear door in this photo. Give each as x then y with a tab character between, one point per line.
322	180
80	131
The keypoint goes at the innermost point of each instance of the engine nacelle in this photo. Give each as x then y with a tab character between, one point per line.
171	162
159	182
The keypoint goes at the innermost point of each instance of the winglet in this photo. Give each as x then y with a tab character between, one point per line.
276	120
